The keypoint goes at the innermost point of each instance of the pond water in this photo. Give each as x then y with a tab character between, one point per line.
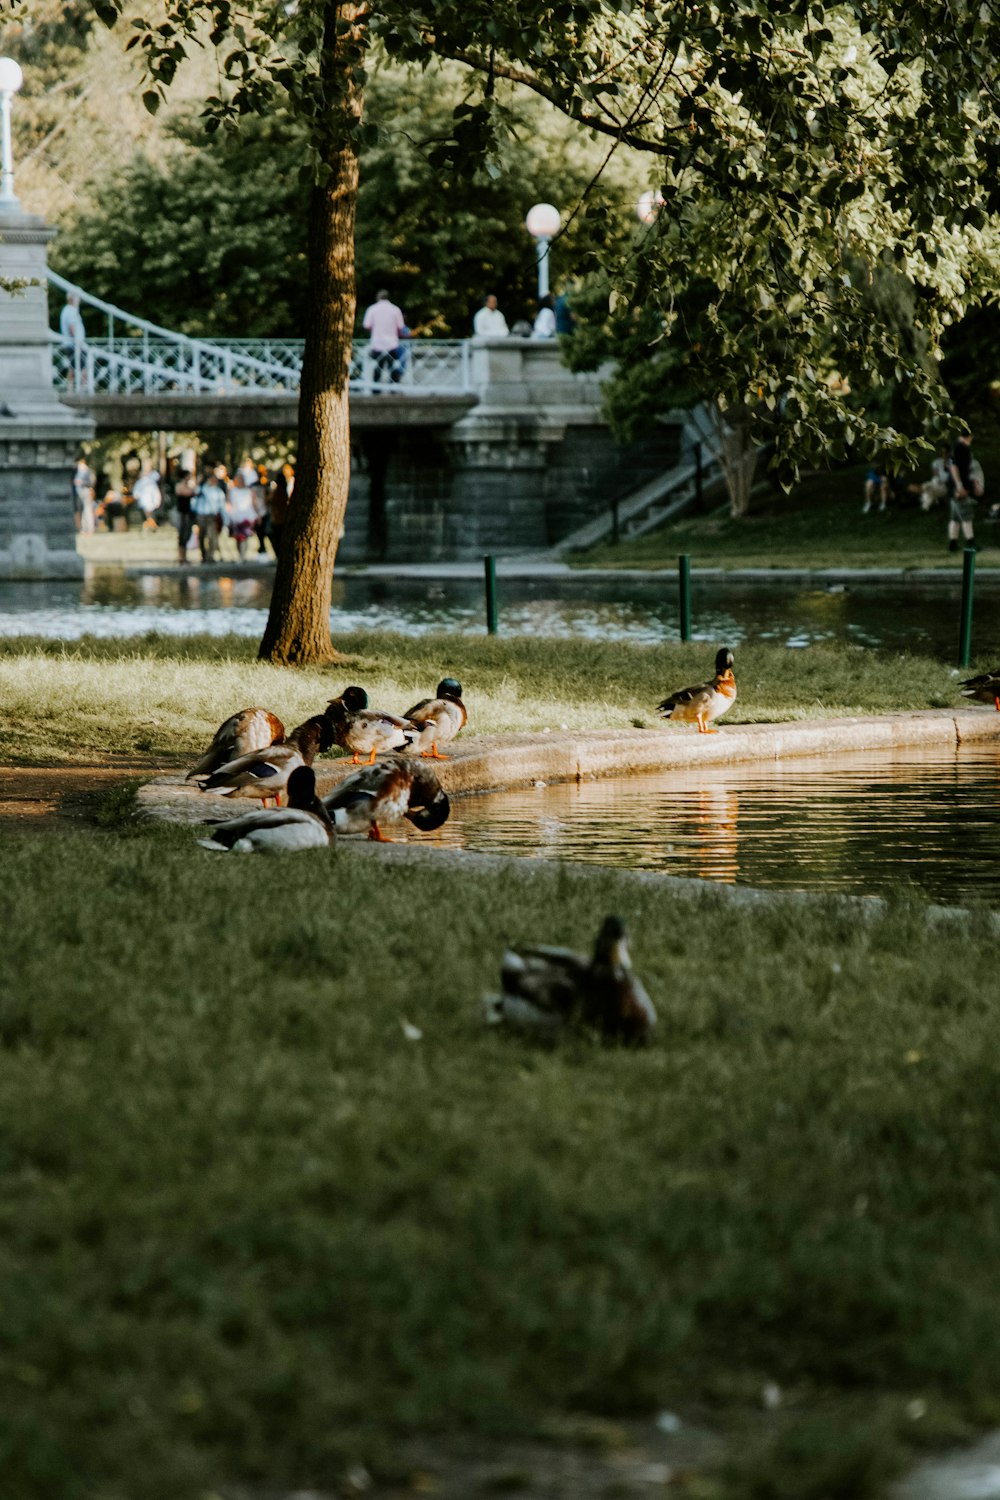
896	616
859	824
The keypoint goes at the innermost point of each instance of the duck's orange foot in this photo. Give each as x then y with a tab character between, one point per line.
432	754
375	833
997	702
355	760
371	758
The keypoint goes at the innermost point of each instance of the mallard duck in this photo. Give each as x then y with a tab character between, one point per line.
546	990
250	729
264	773
983	689
706	700
439	719
395	788
364	730
303	824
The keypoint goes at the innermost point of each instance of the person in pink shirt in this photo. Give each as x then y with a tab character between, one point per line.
385	323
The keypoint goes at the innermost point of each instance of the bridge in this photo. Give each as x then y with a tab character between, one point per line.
479	445
136	375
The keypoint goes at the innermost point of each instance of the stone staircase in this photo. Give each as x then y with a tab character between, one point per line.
660	499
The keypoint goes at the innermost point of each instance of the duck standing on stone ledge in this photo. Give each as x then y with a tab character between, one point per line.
250	729
364	730
549	990
706	700
983	689
395	788
439	719
264	773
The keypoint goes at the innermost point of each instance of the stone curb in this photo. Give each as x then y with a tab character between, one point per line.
500	762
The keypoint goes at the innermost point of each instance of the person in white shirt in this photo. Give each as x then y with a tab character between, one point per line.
385	324
489	322
545	322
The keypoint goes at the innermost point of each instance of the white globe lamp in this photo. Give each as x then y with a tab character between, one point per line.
542	223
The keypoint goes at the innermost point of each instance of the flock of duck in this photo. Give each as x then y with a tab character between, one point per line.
544	990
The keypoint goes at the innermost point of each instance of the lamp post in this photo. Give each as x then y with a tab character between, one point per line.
11	79
542	223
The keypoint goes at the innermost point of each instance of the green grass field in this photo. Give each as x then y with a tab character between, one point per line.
253	1234
159	697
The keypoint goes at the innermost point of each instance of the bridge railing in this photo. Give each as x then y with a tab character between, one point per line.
135	357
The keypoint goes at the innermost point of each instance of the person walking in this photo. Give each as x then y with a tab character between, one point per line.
84	510
147	494
209	507
385	325
184	488
489	322
545	321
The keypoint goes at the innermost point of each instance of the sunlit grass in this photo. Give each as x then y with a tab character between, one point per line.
161	696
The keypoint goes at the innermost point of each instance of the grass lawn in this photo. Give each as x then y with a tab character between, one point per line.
253	1234
161	697
818	525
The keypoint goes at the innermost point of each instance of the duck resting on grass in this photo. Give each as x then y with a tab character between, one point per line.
264	773
439	719
250	729
706	700
983	689
550	990
364	730
303	824
395	788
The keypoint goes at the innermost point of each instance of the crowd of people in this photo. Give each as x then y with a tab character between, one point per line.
956	480
250	506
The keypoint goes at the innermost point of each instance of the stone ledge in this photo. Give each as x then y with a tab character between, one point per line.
496	762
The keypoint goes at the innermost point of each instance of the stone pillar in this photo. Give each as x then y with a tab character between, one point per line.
39	437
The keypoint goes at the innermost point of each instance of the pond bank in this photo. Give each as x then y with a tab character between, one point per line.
495	762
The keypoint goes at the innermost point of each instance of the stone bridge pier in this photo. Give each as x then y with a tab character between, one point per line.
529	462
39	437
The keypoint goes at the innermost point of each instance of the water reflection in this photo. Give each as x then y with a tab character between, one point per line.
897	616
860	824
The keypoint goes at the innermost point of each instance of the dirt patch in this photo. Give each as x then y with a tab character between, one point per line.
52	797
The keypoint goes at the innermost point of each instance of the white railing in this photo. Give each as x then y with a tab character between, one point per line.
134	357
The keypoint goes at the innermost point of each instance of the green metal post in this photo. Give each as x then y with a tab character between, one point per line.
490	568
968	582
684	585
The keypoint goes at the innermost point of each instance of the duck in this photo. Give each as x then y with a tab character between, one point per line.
439	719
546	991
264	773
983	689
250	729
395	788
706	700
303	824
364	730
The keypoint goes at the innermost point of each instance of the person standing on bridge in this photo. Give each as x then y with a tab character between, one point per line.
489	322
386	325
71	339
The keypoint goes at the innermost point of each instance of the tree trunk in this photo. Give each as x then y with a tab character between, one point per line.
737	454
298	623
